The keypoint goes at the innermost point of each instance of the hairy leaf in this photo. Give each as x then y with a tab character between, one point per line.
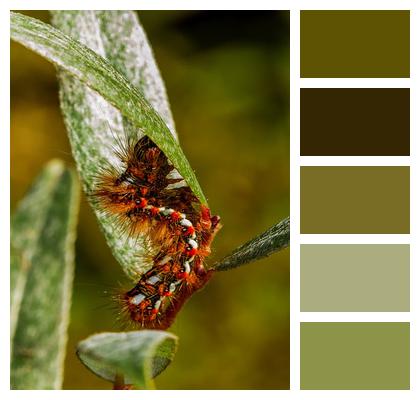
43	233
137	356
272	240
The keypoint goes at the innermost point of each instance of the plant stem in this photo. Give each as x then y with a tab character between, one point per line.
119	383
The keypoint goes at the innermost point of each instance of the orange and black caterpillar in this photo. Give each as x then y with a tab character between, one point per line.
150	197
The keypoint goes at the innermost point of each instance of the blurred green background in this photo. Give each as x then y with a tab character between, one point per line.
227	76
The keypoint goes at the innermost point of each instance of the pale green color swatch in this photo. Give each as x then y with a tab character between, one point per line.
355	355
355	277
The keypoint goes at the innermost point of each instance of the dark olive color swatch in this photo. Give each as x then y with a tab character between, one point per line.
355	122
355	200
355	44
355	277
355	355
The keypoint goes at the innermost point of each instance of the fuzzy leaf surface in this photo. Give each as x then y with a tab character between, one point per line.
138	356
43	233
274	239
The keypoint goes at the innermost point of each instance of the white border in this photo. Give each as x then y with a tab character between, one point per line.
355	239
354	160
294	199
296	161
5	199
355	317
205	5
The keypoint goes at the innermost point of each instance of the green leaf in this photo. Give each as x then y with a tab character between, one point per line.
127	48
274	239
119	37
93	124
137	356
43	232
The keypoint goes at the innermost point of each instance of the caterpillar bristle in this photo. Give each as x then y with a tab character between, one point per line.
149	198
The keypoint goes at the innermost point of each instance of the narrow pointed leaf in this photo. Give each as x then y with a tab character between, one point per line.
274	239
42	267
137	356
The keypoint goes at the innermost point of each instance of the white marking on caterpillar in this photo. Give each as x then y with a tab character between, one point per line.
185	222
157	304
153	279
176	185
193	243
168	211
174	174
187	267
137	299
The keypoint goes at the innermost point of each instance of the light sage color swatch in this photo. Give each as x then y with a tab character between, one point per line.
355	277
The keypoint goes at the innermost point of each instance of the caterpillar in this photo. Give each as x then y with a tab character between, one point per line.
150	197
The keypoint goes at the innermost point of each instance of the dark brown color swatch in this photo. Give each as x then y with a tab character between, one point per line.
355	122
355	200
355	44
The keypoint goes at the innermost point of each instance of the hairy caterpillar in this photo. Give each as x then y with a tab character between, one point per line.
150	197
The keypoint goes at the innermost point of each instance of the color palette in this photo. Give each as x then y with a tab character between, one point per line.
355	44
355	355
355	277
355	122
354	180
355	199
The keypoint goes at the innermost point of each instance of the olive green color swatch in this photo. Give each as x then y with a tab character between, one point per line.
355	122
355	44
362	200
355	277
355	355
